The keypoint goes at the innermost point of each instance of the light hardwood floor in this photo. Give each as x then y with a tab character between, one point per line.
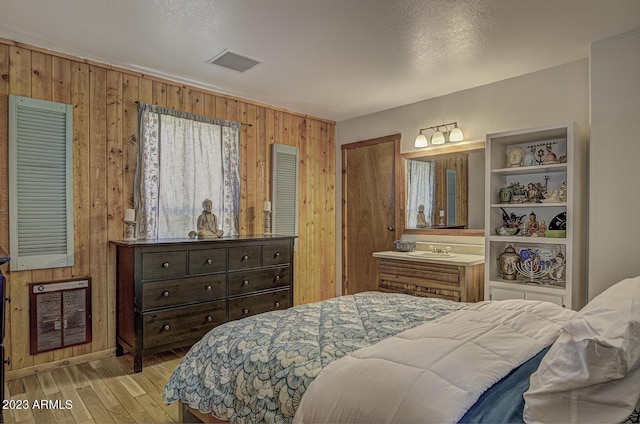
102	391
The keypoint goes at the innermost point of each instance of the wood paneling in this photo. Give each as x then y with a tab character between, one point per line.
105	142
458	162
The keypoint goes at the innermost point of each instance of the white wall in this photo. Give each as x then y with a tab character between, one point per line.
550	96
614	202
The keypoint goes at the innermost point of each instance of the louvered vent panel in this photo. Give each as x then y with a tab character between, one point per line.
41	203
234	61
60	314
285	189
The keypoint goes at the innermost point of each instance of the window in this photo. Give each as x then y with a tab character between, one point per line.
420	183
183	160
40	183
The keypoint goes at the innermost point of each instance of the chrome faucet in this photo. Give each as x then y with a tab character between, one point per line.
440	249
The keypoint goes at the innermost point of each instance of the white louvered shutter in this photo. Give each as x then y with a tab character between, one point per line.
40	183
284	189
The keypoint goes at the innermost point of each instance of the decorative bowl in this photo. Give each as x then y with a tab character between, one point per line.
507	231
404	245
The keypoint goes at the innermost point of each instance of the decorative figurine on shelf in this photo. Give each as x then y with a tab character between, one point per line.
507	263
551	157
552	197
511	220
422	220
558	268
531	227
532	193
208	222
542	229
529	158
505	195
562	192
536	191
515	157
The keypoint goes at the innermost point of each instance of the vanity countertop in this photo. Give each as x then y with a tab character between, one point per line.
454	258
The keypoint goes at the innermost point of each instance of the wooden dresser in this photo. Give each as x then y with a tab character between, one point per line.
171	292
460	278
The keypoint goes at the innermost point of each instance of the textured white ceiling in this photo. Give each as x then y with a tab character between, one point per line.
334	59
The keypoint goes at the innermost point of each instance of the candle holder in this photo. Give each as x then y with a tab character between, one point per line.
532	269
267	222
129	231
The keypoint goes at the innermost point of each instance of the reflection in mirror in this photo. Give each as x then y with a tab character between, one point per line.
448	188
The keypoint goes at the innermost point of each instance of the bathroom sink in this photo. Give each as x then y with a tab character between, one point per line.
431	254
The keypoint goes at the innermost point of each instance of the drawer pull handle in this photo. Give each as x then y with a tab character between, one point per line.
245	283
277	254
165	265
277	278
245	257
277	304
209	318
245	311
209	261
208	288
165	294
166	327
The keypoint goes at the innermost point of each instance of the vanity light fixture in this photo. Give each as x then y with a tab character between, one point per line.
439	137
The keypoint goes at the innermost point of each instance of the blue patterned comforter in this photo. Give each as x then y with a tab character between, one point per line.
257	369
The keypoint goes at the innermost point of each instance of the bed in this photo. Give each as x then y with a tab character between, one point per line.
377	357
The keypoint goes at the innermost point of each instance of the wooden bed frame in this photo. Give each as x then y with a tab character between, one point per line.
188	414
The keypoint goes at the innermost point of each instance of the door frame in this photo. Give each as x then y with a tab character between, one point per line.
398	189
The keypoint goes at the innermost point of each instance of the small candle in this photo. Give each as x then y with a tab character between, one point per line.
129	215
442	213
267	206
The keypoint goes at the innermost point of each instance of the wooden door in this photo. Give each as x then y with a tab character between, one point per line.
369	208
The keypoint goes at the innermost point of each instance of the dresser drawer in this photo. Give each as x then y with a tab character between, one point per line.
163	265
243	307
186	324
245	257
245	282
207	261
276	254
160	294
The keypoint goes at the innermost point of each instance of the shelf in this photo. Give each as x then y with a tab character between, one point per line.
529	205
524	170
499	282
568	176
523	239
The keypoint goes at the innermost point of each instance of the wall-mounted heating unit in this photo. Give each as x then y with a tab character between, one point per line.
60	313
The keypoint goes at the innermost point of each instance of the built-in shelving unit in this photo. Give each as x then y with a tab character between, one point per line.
551	159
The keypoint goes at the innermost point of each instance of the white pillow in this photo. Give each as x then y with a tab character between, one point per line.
592	371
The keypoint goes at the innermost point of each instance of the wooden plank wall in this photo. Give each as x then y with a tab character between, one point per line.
460	163
104	149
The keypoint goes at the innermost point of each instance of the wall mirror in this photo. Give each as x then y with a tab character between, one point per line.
445	185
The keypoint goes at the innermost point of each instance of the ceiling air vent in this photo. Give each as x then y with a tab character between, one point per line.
235	61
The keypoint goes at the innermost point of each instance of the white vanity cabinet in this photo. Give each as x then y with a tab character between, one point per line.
551	265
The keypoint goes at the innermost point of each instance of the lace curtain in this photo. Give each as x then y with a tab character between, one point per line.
184	159
420	183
